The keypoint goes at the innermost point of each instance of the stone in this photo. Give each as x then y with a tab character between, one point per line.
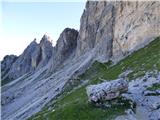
151	93
106	90
147	102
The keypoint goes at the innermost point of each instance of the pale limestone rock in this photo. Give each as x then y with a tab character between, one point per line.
115	29
147	102
106	90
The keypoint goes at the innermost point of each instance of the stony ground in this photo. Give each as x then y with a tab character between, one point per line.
146	99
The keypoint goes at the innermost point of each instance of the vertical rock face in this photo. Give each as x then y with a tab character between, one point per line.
114	29
34	57
136	24
65	46
96	24
46	50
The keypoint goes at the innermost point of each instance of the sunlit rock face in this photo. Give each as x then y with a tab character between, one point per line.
114	29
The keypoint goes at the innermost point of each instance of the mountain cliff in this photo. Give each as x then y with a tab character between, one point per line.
114	29
65	47
109	31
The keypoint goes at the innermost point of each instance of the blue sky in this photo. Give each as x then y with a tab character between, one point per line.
22	22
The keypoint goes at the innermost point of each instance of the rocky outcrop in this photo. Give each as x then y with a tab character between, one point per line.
66	45
147	102
114	29
106	90
6	64
46	51
34	57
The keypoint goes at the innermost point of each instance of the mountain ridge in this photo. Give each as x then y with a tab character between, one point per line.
105	35
31	58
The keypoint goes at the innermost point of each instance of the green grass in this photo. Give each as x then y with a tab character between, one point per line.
145	59
154	87
75	106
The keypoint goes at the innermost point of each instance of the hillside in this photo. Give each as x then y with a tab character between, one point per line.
109	31
73	105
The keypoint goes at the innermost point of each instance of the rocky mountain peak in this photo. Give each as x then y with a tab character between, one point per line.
45	38
65	46
34	57
34	42
67	39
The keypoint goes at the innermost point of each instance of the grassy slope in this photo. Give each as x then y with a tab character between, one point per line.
154	87
74	106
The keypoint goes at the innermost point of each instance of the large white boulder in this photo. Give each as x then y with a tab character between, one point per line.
106	90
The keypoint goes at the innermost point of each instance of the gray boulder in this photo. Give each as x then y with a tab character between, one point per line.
106	90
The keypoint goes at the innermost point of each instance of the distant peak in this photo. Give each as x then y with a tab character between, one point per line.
46	38
69	29
33	42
